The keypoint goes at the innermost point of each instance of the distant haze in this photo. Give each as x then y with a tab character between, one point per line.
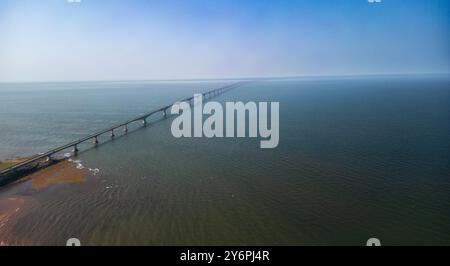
125	40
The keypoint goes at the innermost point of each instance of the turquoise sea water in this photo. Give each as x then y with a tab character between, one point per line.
358	158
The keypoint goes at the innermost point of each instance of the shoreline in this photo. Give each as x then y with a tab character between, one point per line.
24	171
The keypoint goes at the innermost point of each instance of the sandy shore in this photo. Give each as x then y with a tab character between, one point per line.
63	172
25	171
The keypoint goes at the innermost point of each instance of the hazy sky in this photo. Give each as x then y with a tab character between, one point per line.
131	39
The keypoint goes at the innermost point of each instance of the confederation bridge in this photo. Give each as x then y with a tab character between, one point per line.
12	171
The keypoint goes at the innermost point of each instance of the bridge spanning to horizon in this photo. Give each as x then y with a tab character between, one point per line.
47	156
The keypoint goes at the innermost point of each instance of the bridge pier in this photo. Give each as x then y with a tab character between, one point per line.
125	129
95	141
112	133
144	122
75	149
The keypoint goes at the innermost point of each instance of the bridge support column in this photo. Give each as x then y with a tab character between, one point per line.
75	149
112	134
164	112
125	129
144	122
95	140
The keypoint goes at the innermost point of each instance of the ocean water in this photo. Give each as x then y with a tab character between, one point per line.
357	158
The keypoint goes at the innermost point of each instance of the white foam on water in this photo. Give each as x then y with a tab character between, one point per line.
79	165
94	171
112	186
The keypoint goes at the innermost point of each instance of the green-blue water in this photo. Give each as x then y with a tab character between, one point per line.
357	158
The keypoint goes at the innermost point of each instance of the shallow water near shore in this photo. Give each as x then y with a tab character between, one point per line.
357	158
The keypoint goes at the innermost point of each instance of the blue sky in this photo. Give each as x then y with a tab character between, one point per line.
43	40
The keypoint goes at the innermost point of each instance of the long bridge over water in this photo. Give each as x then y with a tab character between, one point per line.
47	156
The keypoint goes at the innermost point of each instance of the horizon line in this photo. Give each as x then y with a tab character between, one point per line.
235	78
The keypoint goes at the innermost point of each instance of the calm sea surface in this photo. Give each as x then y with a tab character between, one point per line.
358	158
